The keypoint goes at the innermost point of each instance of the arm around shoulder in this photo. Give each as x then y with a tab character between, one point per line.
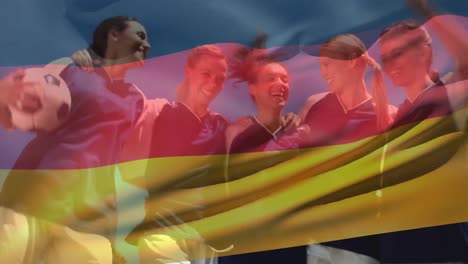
311	101
235	129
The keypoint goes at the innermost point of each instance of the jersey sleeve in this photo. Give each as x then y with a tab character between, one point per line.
235	129
137	148
308	105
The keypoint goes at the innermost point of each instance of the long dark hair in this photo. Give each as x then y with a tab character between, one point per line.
117	23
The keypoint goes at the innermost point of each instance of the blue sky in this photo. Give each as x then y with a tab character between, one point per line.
38	31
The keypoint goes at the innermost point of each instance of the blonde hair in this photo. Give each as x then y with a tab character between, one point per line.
194	56
348	47
204	50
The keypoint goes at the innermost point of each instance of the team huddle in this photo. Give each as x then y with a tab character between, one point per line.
55	204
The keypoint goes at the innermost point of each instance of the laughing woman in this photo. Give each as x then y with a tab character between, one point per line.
268	129
268	84
348	112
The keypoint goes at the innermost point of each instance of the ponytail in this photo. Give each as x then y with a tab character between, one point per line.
379	94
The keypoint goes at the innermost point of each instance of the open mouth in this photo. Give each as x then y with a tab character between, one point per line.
141	53
208	92
395	73
278	94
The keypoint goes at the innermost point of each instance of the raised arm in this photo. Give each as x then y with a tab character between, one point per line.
87	59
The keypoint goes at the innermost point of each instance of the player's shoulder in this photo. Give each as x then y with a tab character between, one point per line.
240	124
73	73
310	102
65	67
59	65
156	104
316	97
153	107
243	120
218	116
237	127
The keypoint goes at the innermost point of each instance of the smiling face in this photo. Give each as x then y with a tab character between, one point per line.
205	78
406	58
341	61
130	44
335	72
271	88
